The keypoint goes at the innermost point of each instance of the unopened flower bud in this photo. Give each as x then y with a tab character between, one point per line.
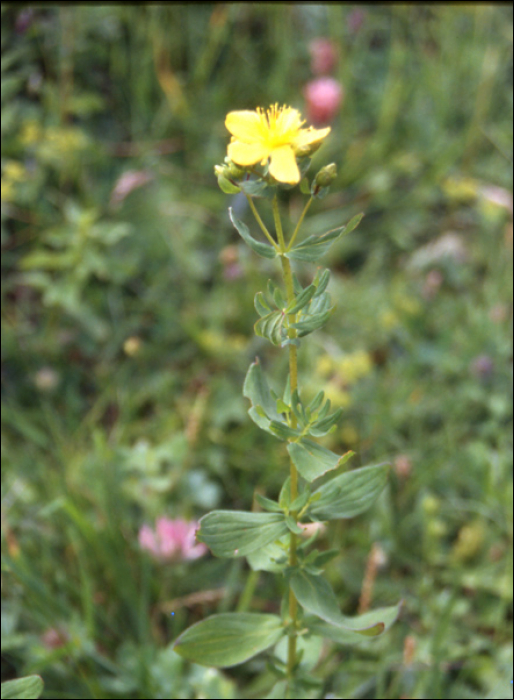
326	175
233	171
225	184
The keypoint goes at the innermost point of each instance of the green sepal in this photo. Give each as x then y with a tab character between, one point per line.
312	460
232	533
26	687
305	187
227	186
314	247
267	503
254	188
228	639
384	616
263	249
349	494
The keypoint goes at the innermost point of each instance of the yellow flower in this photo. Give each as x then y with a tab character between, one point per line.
275	134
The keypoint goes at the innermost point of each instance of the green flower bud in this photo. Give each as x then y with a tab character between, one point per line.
326	175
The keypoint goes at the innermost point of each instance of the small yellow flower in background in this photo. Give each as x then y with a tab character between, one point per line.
7	190
31	132
14	171
275	134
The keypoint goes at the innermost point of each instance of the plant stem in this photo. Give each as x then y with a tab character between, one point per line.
300	221
261	224
293	378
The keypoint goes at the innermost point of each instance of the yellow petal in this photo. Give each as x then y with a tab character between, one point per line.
283	165
246	153
245	125
309	136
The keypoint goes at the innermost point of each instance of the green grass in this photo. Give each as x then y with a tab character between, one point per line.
99	437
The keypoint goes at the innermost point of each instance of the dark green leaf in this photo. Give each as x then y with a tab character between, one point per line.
229	639
232	533
350	494
263	249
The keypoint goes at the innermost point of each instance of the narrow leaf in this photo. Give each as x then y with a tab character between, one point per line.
263	249
232	533
228	639
267	503
350	494
301	300
314	247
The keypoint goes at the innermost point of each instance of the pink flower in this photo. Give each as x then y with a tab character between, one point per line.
323	56
172	539
323	97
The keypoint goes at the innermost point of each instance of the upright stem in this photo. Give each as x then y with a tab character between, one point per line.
293	378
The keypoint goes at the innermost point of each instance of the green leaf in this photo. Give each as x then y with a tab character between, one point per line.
228	639
312	460
233	533
263	249
27	687
261	305
314	247
301	300
315	595
272	327
384	616
273	557
322	427
256	389
293	525
283	431
267	503
349	494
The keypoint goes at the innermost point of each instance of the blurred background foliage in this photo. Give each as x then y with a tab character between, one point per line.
127	321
